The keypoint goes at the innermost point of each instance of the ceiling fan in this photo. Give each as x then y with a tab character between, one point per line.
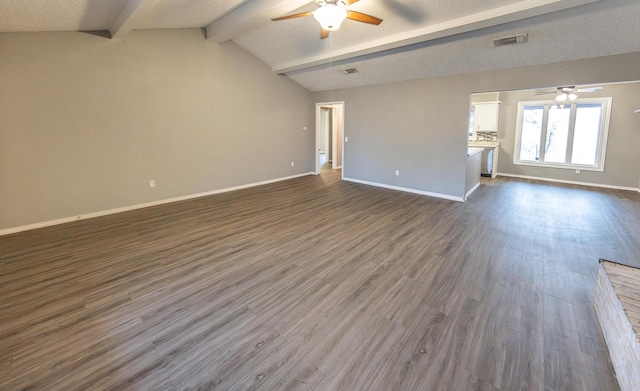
331	13
566	93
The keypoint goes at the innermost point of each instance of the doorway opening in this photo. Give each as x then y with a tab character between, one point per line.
329	148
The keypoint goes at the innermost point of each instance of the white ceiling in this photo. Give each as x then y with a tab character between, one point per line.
417	39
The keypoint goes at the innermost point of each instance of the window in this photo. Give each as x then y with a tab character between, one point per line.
571	135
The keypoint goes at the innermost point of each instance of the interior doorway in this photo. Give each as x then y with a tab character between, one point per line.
329	145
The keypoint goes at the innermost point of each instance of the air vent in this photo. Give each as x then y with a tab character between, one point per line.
512	40
349	71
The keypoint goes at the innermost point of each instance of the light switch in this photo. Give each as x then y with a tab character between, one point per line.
346	139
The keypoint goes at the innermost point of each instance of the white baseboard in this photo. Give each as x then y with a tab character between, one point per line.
91	215
406	189
472	190
535	178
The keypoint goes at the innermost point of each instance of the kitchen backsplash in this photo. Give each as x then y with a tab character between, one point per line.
486	136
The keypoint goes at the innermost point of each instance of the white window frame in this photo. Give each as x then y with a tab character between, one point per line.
602	140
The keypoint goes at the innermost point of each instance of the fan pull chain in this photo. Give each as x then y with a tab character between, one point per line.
330	58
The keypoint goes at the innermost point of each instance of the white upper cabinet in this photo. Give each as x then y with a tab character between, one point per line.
485	118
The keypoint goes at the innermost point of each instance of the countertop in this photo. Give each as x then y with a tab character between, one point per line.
484	144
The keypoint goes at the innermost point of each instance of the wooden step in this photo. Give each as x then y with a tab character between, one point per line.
618	309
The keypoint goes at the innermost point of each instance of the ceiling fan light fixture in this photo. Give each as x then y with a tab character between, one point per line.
561	97
572	96
330	16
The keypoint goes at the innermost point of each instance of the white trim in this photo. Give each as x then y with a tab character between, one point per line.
338	168
602	137
334	105
91	215
405	189
535	178
472	190
334	135
342	138
316	150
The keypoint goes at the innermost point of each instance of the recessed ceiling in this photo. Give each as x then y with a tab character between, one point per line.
417	39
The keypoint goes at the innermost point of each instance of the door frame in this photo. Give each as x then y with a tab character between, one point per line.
338	106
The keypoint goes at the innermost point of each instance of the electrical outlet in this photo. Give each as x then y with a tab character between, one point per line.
152	183
577	171
291	164
397	172
346	139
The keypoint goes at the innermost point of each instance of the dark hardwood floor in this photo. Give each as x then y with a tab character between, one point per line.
315	283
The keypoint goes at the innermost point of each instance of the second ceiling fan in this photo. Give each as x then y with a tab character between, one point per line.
566	93
331	13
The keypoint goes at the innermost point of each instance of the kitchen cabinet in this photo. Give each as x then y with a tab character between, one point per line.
485	116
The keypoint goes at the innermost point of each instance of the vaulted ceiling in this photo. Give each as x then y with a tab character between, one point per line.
417	39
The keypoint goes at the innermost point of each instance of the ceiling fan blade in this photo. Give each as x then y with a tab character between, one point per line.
300	15
324	33
364	18
545	92
590	89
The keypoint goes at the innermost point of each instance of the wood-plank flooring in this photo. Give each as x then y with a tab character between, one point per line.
319	284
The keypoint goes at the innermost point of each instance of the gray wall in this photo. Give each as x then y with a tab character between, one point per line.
86	122
404	126
622	166
420	127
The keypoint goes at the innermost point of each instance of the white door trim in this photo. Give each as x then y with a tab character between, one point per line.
334	133
338	106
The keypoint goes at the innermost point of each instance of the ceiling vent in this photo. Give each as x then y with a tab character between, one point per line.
349	71
512	40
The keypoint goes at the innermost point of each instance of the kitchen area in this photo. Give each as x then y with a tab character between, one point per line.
483	146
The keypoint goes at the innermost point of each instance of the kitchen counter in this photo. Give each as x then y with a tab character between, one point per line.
484	144
493	147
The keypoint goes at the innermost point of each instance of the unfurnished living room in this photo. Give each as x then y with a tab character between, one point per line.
368	195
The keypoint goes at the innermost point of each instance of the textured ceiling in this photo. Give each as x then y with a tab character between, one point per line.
595	30
58	15
302	35
602	28
185	14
